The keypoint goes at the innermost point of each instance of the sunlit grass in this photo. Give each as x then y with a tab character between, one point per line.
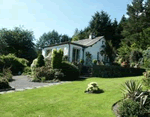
64	100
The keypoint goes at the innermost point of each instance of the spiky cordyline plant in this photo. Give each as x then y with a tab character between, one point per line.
131	89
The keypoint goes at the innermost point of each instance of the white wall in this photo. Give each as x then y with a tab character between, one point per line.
54	47
94	50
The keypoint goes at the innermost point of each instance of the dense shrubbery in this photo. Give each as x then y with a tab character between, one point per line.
27	71
15	64
135	102
58	69
115	71
40	61
146	79
71	72
46	72
7	74
129	108
4	83
5	77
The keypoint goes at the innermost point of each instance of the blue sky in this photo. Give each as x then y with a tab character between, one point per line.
63	16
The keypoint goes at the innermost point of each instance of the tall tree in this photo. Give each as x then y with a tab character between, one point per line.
48	39
18	41
101	25
65	38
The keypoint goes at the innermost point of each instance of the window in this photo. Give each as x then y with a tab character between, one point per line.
76	54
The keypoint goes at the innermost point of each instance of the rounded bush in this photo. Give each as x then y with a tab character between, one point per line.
71	72
129	108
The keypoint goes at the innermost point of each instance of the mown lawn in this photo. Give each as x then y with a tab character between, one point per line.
64	100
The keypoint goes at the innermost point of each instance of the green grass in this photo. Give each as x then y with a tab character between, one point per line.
64	100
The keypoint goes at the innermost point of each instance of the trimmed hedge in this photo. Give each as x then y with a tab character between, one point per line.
14	63
71	72
115	71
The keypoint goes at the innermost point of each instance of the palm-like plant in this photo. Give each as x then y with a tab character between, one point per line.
131	89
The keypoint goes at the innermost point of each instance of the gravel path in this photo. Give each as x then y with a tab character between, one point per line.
22	82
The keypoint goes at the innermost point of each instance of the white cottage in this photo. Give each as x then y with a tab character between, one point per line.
85	49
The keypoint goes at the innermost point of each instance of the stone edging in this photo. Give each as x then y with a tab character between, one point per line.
112	108
10	90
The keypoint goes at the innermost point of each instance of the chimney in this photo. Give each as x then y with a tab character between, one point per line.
91	36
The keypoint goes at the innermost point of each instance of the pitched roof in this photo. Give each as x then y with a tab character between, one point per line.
83	42
87	42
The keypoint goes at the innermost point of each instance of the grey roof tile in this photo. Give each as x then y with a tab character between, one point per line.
88	42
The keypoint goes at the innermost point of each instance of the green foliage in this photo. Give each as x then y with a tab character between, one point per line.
65	58
50	38
136	28
146	58
93	88
45	72
4	83
17	41
146	79
7	74
81	61
131	89
33	66
14	63
58	74
94	61
27	71
56	59
135	56
71	72
115	71
129	108
40	61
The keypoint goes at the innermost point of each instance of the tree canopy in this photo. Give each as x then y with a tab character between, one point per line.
52	37
17	41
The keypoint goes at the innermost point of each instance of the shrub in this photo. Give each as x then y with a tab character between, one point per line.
135	55
82	61
56	59
4	83
94	61
44	72
146	79
58	74
132	89
33	66
14	63
65	58
93	88
71	72
40	61
27	71
7	74
129	108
